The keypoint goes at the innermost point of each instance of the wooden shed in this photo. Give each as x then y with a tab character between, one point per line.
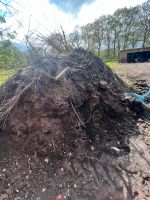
135	55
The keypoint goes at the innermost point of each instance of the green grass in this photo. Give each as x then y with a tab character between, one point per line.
5	74
112	64
120	71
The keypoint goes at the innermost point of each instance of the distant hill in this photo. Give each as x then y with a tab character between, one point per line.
20	46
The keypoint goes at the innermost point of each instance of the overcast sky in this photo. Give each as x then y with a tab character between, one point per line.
47	15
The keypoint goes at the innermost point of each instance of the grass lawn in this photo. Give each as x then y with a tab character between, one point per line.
112	64
120	71
5	74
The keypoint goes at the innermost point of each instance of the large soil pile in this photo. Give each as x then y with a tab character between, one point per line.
58	104
70	111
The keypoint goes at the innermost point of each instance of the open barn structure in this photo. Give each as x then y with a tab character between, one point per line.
135	55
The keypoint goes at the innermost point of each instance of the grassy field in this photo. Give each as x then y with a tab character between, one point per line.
112	64
120	70
5	74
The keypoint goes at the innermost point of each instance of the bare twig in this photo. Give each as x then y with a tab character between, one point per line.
80	120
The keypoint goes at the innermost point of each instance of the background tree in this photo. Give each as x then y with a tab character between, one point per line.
144	17
75	38
106	36
98	32
9	55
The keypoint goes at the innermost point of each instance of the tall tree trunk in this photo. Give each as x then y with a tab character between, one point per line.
114	48
99	49
124	45
126	39
108	50
144	39
133	44
118	48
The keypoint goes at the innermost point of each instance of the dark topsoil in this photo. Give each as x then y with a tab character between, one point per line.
66	131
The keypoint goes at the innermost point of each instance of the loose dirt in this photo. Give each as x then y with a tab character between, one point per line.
67	134
136	71
134	74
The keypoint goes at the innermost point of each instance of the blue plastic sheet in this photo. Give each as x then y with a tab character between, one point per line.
145	97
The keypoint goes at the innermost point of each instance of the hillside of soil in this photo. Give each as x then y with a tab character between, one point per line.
66	132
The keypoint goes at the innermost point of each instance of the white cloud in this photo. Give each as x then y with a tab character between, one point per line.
89	13
45	17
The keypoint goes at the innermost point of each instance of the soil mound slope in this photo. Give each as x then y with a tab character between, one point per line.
57	104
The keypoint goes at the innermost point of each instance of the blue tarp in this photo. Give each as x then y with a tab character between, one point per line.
144	98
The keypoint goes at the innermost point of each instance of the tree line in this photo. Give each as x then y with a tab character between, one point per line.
107	35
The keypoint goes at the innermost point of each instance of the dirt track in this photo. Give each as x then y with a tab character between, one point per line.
134	71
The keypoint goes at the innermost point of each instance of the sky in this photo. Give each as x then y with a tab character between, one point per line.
70	6
46	16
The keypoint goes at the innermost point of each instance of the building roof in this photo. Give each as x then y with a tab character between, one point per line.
137	49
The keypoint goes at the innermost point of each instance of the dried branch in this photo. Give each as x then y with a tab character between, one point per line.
80	120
